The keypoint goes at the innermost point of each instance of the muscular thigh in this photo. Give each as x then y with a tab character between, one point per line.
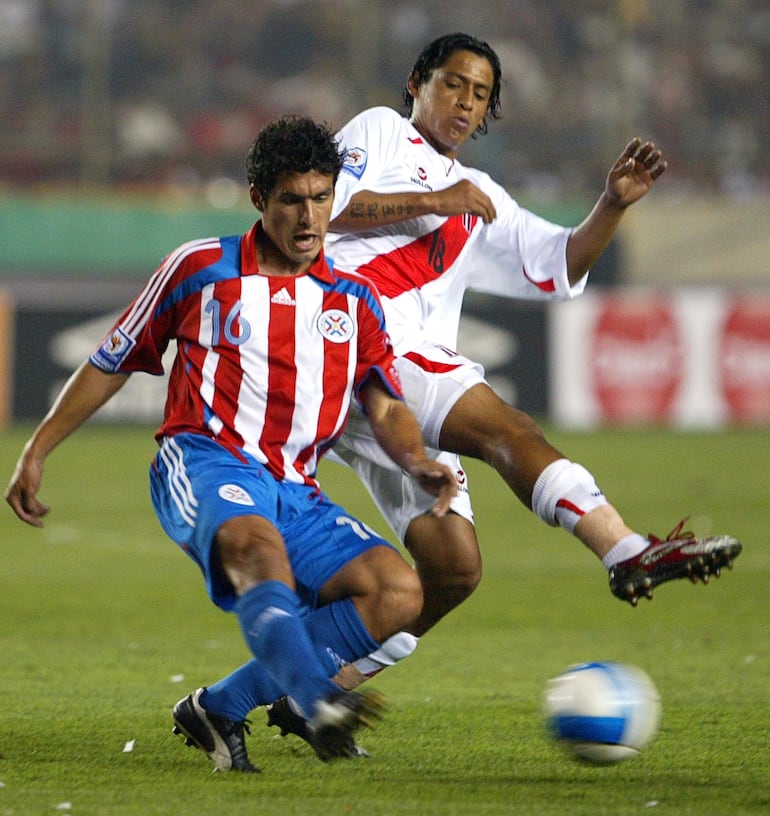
378	570
444	546
323	542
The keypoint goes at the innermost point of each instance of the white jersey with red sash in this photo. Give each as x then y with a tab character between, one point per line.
423	266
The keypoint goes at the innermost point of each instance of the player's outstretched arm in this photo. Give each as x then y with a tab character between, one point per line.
399	435
637	168
367	209
83	394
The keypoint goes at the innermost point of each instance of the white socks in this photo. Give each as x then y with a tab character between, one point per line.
564	492
626	548
395	648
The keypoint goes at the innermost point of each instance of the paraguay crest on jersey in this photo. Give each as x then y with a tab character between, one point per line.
336	326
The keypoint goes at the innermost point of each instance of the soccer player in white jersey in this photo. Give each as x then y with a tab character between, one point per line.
425	228
272	343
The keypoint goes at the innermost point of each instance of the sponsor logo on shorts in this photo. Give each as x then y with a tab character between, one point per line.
335	325
235	494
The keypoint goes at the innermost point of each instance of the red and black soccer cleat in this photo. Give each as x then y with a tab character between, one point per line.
679	555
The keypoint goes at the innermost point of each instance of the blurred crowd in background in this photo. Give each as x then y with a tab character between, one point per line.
172	92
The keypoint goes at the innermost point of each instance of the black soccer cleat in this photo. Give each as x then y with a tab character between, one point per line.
679	555
222	740
336	718
282	714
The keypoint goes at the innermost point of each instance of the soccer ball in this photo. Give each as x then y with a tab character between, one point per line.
602	712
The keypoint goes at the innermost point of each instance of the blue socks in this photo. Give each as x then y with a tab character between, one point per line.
338	630
295	656
279	640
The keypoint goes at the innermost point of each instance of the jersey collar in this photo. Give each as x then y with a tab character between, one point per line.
249	266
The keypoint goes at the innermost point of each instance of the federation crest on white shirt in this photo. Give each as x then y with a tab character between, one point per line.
355	161
335	325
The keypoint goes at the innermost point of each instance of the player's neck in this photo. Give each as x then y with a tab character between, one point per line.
271	262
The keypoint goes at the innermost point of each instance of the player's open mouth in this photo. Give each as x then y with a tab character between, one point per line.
305	241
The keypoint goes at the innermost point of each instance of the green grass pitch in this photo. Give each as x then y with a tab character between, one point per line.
105	625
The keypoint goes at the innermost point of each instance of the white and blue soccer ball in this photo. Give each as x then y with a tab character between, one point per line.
602	712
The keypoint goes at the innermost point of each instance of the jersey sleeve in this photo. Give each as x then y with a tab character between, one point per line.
375	351
370	144
139	338
123	350
520	254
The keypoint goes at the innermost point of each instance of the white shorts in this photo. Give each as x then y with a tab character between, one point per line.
433	379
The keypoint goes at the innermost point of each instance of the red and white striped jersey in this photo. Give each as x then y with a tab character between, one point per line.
423	266
264	364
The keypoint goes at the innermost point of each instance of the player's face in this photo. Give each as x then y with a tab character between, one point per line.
453	102
295	216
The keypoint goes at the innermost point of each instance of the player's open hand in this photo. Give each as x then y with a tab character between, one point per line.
21	492
635	171
438	480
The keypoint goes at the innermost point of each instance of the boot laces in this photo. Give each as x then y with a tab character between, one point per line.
676	533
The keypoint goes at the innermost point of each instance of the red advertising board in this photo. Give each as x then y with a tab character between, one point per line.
636	366
686	357
744	360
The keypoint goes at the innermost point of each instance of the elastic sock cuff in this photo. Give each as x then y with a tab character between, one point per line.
395	648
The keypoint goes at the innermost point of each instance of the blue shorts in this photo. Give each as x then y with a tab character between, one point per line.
196	485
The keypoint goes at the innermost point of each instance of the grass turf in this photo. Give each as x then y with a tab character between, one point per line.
105	625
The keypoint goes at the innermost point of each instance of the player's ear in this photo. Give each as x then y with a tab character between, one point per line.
413	84
256	198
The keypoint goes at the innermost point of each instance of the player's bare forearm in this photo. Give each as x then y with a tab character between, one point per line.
630	178
399	435
83	394
367	209
589	240
395	428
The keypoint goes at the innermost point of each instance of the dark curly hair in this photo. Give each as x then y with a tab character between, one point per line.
292	144
435	54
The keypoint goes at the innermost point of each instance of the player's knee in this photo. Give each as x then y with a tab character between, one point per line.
452	588
400	601
251	550
446	554
393	605
466	580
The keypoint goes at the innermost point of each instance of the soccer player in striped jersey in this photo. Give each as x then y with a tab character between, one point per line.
272	343
425	228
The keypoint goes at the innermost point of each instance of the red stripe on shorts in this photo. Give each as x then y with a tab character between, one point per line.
431	366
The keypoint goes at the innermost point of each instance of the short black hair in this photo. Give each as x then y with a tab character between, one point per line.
292	144
436	53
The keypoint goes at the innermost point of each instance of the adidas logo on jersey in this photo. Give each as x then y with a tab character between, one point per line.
283	298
